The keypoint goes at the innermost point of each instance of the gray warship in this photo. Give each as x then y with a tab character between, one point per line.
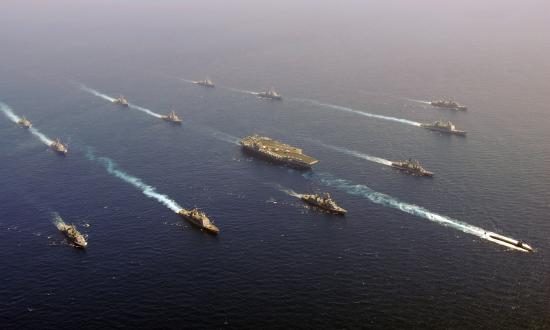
199	219
448	103
24	122
121	101
72	234
205	83
324	202
412	167
59	147
277	151
270	93
172	117
443	126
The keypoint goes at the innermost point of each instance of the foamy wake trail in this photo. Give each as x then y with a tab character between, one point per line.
287	191
357	154
240	90
185	80
111	99
57	220
221	135
386	200
419	101
15	118
362	113
147	190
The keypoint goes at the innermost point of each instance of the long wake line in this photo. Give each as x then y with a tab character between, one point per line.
355	154
111	99
147	190
386	200
15	118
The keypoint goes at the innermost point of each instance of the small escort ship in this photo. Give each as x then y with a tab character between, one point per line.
443	126
24	122
509	242
412	167
121	101
277	152
72	234
270	94
59	147
172	117
448	103
324	202
200	220
205	83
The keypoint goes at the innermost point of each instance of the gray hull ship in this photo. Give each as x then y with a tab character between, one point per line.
24	122
172	117
443	126
72	234
412	167
200	220
59	147
448	104
277	152
270	94
324	202
205	83
121	101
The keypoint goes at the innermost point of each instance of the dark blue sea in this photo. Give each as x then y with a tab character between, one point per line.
356	78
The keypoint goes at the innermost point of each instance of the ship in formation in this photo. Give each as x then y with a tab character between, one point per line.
199	219
72	234
59	147
277	152
324	202
24	122
444	126
509	242
448	103
121	101
205	83
412	167
172	117
270	93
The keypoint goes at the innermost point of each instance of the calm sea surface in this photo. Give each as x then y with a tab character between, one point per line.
409	254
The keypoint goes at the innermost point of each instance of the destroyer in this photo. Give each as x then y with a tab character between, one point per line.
277	151
448	103
411	166
443	126
270	94
509	242
172	117
205	83
324	202
121	101
199	219
24	122
59	147
72	234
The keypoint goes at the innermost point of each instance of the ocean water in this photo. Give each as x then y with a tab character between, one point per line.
356	77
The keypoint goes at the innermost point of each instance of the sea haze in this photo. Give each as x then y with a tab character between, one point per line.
356	77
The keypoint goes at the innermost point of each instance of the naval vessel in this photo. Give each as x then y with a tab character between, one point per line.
24	122
72	234
172	117
443	126
448	103
59	147
324	202
277	151
270	94
205	83
509	242
199	219
121	101
412	167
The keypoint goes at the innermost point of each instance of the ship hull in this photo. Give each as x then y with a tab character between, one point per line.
211	230
294	164
509	242
276	98
178	122
460	107
404	169
203	84
455	132
339	211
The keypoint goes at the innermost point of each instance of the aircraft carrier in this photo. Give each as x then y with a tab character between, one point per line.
277	152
